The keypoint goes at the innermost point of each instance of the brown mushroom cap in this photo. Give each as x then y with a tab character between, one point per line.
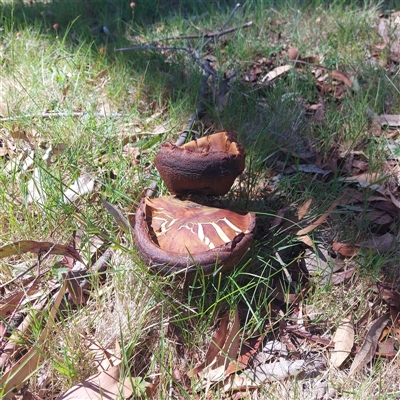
208	165
175	236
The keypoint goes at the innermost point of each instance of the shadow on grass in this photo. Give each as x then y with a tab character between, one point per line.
89	16
106	25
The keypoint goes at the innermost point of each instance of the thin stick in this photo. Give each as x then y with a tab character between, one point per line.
98	267
231	16
311	65
210	34
78	284
222	89
198	114
223	26
18	276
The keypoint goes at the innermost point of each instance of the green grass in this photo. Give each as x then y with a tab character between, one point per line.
56	58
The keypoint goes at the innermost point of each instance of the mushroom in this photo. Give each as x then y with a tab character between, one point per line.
208	165
176	236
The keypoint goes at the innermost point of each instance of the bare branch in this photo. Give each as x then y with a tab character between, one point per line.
231	16
209	34
204	66
223	26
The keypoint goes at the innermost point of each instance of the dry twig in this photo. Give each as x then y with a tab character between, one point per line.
208	34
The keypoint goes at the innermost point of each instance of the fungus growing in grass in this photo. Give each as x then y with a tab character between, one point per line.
208	165
175	236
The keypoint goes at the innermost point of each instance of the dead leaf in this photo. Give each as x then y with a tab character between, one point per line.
319	115
264	373
345	249
3	328
382	243
392	198
104	358
388	348
133	153
276	72
59	148
217	343
17	134
340	277
390	296
342	77
277	221
344	341
247	353
104	385
3	151
390	120
360	164
231	346
306	240
320	220
84	184
9	303
293	53
379	217
25	246
119	218
216	370
376	128
365	179
269	351
367	350
320	265
302	211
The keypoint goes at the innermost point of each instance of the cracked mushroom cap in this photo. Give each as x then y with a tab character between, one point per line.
208	165
175	236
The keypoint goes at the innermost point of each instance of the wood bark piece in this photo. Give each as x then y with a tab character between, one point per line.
208	165
175	236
